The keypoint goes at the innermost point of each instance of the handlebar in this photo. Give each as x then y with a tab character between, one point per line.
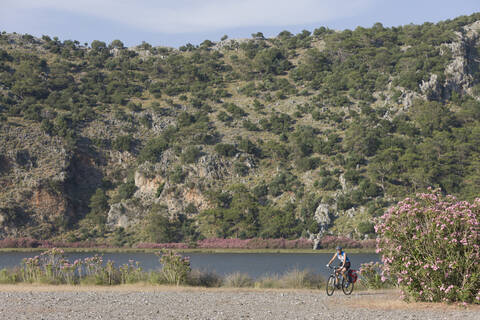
333	268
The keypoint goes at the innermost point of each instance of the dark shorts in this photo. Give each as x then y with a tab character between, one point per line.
347	265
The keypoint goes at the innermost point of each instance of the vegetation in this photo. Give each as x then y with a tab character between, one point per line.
430	245
51	267
243	140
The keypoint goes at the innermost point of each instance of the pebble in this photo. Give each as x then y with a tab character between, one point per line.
207	304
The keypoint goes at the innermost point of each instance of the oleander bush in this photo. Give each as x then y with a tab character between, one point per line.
175	268
52	267
431	244
370	276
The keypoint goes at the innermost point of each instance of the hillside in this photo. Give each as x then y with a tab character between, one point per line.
293	136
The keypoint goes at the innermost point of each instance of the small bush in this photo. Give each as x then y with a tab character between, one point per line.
371	276
238	280
126	190
240	168
9	276
175	268
268	282
297	279
153	150
123	143
177	175
191	154
199	278
293	279
226	150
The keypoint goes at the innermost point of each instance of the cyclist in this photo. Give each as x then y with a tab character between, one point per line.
344	263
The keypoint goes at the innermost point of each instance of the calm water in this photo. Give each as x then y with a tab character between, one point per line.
255	264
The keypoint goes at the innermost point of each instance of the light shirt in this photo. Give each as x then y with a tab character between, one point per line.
342	255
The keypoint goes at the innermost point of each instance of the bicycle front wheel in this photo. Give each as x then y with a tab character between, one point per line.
347	287
330	285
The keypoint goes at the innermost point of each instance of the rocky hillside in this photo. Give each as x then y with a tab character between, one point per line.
294	136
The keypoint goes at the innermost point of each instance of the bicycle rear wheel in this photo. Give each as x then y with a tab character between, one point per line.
330	285
347	289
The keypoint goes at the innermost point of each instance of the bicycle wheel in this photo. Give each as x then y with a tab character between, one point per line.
330	285
347	289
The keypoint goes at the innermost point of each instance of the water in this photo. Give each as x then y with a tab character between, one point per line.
254	264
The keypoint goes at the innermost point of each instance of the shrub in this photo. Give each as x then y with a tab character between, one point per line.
177	175
250	126
175	268
366	227
160	229
371	276
126	190
153	150
123	143
293	279
329	183
191	154
269	282
9	276
98	206
226	150
431	244
131	272
224	117
199	278
308	163
240	168
238	280
235	110
297	279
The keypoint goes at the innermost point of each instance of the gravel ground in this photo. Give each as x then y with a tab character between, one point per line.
19	302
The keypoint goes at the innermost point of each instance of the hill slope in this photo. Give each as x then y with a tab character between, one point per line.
298	135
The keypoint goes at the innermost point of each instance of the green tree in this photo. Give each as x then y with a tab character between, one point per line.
98	207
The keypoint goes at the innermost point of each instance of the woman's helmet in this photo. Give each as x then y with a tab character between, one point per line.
339	248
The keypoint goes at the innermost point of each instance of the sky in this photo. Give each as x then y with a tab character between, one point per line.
175	23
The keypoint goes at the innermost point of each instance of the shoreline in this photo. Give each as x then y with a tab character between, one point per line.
192	250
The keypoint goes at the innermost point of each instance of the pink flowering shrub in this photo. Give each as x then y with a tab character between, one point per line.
52	267
175	268
431	245
371	276
254	243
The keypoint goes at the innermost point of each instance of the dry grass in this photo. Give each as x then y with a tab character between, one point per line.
391	300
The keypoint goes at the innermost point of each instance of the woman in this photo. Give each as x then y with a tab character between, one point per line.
344	263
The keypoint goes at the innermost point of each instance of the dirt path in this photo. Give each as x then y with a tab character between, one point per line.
149	302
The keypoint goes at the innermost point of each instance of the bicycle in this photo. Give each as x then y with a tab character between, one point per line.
333	283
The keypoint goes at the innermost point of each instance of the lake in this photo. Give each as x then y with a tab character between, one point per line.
254	264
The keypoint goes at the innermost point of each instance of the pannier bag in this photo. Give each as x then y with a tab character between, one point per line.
352	275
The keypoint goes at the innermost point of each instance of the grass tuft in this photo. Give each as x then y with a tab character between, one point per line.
238	280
